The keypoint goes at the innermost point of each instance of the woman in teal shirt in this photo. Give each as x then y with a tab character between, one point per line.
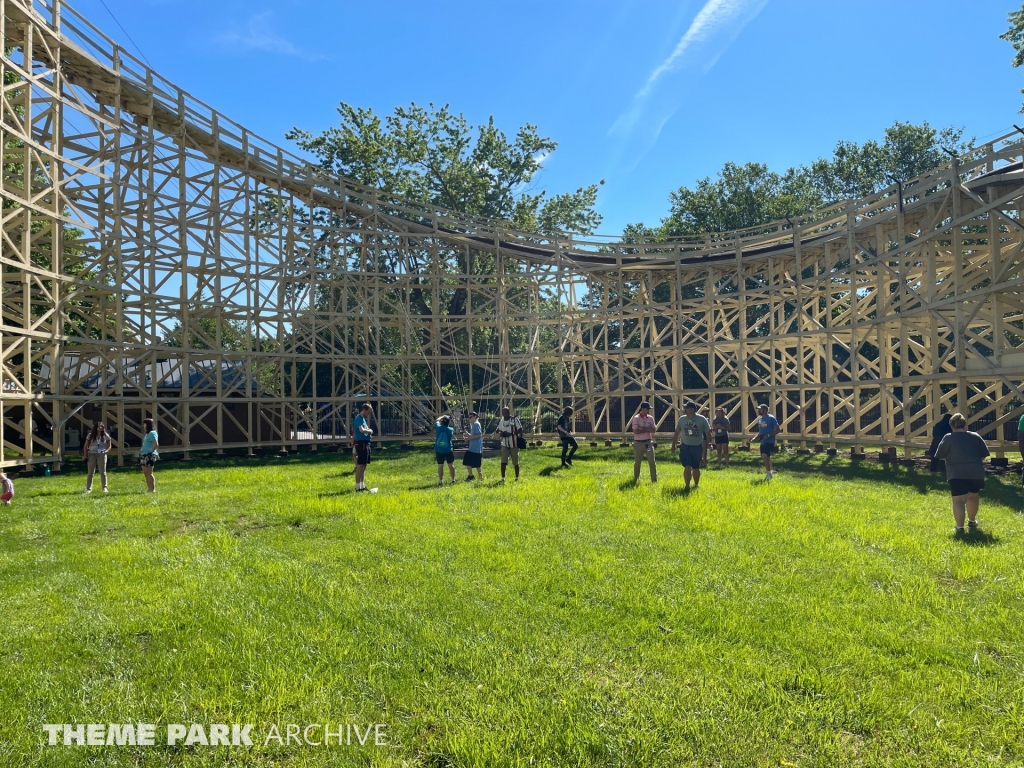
149	455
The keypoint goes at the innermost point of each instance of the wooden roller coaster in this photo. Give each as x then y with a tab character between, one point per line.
159	260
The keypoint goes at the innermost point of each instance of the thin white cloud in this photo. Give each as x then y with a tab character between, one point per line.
712	30
258	35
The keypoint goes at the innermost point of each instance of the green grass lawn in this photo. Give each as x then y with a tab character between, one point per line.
828	618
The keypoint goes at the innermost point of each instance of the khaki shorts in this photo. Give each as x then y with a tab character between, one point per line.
507	452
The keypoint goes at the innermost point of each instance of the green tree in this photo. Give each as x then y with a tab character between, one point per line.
434	156
1015	37
752	194
908	150
741	196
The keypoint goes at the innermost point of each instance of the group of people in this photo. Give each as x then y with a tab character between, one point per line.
693	436
962	451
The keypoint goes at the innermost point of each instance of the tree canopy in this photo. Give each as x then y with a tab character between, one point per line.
1015	37
435	156
751	194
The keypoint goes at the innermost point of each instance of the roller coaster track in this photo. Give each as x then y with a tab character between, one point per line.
162	260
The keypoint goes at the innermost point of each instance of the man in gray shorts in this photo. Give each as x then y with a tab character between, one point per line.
691	436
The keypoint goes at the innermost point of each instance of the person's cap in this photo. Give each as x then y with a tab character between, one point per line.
690	404
644	405
762	405
473	414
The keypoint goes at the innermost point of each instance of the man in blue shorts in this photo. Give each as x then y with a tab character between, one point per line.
691	436
767	429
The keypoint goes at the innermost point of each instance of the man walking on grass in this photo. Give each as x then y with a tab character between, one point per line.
767	429
691	436
569	444
362	433
643	426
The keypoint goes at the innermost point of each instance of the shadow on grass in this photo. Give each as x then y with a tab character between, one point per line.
626	485
76	492
677	491
975	537
549	471
1007	494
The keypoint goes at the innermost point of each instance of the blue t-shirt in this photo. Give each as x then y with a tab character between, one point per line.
443	438
765	426
148	442
476	439
361	437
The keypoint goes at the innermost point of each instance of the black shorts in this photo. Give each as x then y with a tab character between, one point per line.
963	487
473	460
768	448
362	453
448	457
721	439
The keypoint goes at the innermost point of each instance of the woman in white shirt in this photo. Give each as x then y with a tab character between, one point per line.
96	448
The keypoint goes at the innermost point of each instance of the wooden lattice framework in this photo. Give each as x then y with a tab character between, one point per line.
159	259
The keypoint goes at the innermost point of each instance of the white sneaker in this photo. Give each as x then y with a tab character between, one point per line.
88	490
767	476
105	490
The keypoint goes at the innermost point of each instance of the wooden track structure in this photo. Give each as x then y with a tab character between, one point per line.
160	260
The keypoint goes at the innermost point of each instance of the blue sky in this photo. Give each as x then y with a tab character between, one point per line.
647	95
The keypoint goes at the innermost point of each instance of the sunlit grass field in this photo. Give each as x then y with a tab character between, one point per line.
828	618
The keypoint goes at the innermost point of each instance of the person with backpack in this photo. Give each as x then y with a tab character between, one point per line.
444	452
474	457
95	450
569	444
509	431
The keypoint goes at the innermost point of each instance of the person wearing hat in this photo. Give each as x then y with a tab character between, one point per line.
691	436
767	428
643	426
